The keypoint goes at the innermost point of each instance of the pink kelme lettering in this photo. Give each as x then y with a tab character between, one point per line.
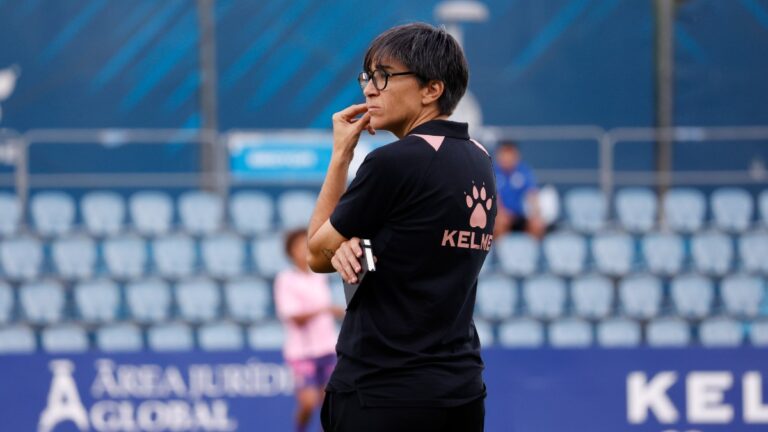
467	240
448	238
463	235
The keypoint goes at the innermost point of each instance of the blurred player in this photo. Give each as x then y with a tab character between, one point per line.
519	208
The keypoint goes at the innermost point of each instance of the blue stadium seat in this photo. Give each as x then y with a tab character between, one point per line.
198	299
121	337
566	253
174	256
521	333
570	333
53	213
721	332
42	301
151	212
592	296
21	257
618	333
126	256
251	212
758	333
586	209
753	251
668	332
636	209
98	301
149	300
295	208
220	336
74	257
742	295
266	336
223	255
613	253
248	299
544	296
712	253
170	337
269	255
201	212
518	254
640	296
65	338
103	212
762	201
10	214
484	331
684	209
692	295
732	209
6	302
663	253
496	297
17	339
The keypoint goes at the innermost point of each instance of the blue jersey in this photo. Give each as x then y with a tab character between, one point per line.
513	186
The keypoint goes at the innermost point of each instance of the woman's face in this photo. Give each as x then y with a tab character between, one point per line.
398	104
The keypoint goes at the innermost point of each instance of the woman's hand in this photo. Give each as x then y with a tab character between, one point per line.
347	128
346	260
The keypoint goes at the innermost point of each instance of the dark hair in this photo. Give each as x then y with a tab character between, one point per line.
291	237
508	144
430	52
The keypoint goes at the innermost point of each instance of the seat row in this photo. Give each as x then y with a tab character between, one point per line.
638	296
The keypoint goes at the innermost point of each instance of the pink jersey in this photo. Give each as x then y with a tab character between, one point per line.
298	293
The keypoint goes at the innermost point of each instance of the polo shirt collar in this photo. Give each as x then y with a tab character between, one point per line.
444	128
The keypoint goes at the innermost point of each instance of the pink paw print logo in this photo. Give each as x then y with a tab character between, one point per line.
480	203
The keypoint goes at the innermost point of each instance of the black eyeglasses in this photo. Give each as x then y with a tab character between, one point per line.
380	78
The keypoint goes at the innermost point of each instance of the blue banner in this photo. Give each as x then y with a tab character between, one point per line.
546	390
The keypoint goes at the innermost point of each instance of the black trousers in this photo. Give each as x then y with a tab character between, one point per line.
342	412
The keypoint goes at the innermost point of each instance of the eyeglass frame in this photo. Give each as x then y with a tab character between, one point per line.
364	83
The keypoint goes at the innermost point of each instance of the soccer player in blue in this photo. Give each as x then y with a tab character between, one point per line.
408	351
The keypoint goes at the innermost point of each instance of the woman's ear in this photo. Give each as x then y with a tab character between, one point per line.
432	91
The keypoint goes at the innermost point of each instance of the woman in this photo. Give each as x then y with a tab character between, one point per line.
303	303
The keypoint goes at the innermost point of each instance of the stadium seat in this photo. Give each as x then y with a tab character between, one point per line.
17	339
712	253
518	254
248	299
762	202
223	255
201	212
592	296
521	333
220	336
42	301
151	212
692	295
684	209
586	209
758	333
269	255
496	297
337	290
753	251
170	337
663	253
103	212
174	256
122	337
570	333
742	295
640	296
266	336
98	301
566	253
732	209
149	300
126	256
668	332
251	212
21	258
544	296
74	257
6	302
10	214
484	331
198	299
53	213
636	209
69	338
613	253
618	333
721	332
295	208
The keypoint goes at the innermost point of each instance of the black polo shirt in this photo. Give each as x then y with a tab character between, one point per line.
427	202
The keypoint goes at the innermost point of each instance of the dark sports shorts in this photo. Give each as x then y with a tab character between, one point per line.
312	372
